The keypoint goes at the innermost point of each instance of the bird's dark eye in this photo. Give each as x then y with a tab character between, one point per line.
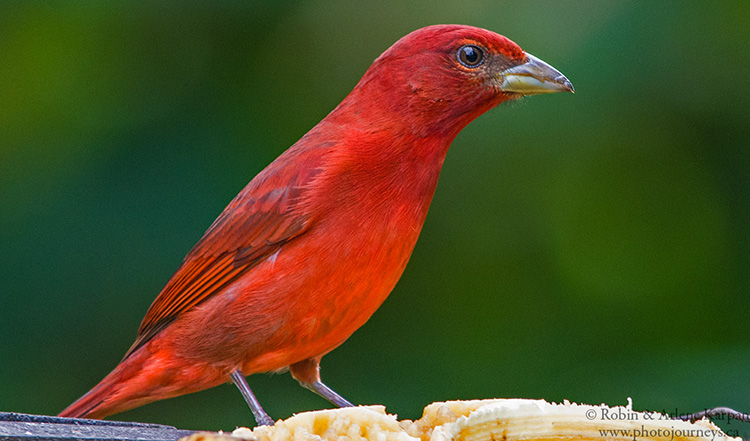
470	56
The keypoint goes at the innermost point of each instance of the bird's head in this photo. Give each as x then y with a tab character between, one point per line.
441	77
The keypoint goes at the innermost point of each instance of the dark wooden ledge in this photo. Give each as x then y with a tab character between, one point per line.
21	426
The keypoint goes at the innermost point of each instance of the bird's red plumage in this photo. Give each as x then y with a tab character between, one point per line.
313	245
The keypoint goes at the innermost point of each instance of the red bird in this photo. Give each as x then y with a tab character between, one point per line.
311	247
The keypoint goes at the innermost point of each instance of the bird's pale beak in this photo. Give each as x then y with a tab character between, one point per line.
534	77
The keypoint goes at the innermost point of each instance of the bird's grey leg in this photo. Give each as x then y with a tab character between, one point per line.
329	394
307	372
261	417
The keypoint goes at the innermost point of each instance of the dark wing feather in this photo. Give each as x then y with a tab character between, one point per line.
256	224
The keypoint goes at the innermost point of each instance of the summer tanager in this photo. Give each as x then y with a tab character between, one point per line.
312	246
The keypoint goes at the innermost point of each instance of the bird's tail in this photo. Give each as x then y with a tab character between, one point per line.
144	376
129	385
106	398
92	405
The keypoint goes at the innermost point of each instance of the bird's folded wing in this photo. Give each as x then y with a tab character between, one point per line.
256	224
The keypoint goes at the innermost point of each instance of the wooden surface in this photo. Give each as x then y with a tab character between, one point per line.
21	426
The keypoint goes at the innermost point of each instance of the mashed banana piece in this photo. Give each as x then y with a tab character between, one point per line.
480	420
361	423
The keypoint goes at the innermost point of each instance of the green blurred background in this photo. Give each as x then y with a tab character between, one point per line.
589	247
